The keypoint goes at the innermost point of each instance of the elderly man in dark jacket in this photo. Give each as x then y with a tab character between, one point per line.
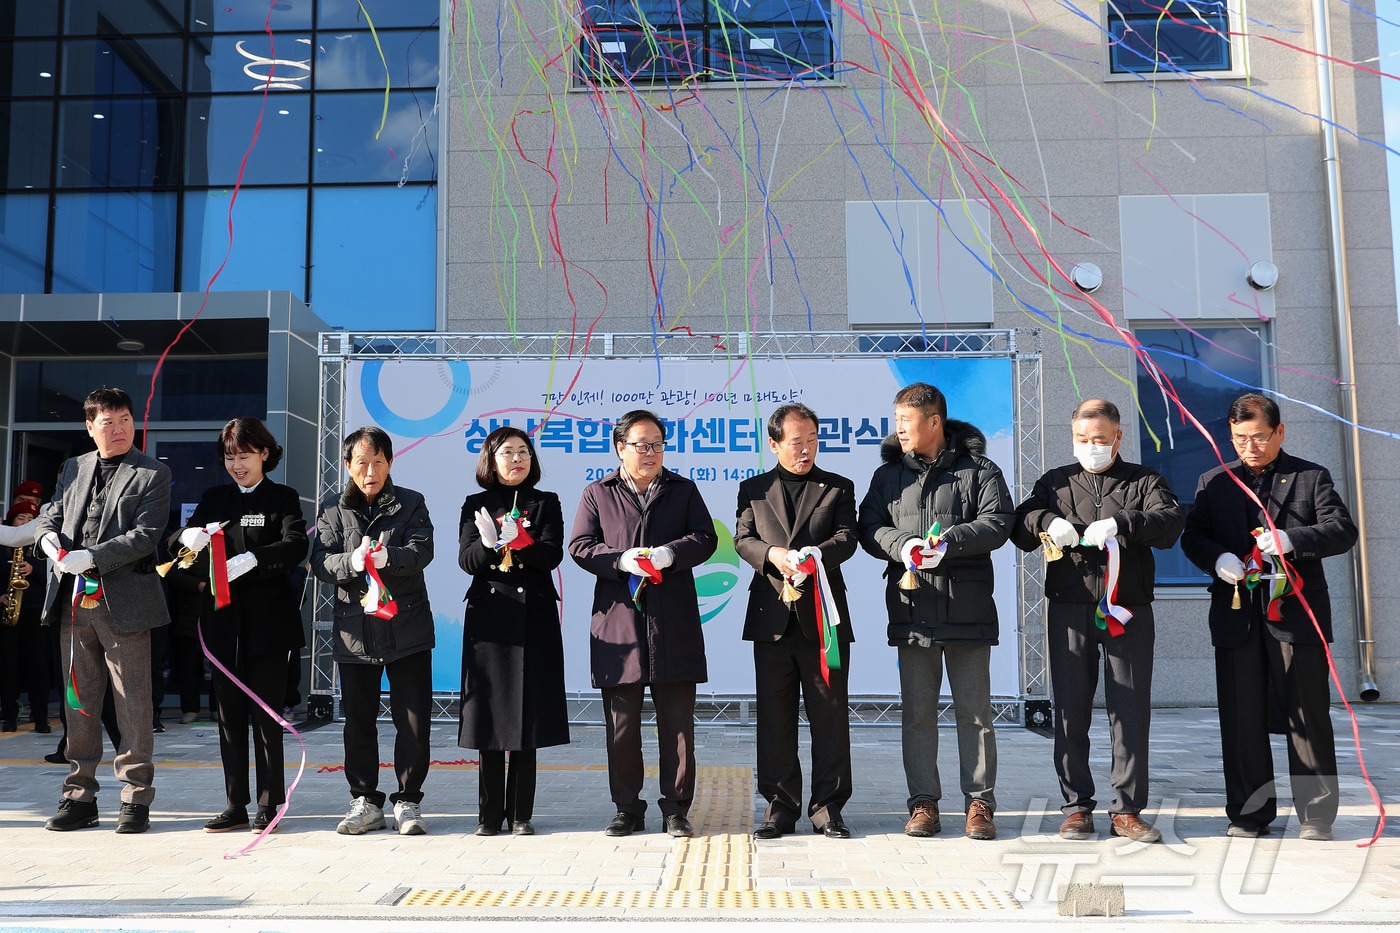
374	523
1264	657
1079	507
938	476
642	518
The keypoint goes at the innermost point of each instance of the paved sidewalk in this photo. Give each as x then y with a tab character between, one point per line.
571	870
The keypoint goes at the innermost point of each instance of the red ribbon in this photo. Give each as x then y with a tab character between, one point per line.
385	606
827	614
218	570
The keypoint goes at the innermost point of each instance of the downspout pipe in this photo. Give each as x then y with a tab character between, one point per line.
1346	357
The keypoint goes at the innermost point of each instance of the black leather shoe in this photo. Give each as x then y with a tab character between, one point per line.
625	824
134	818
677	825
835	829
73	814
265	816
42	726
54	758
487	829
231	819
522	828
769	829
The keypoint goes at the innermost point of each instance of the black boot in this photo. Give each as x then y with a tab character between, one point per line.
73	814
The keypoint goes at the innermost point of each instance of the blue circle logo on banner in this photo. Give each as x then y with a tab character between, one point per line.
460	374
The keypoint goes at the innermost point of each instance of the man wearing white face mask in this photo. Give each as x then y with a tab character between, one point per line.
1079	507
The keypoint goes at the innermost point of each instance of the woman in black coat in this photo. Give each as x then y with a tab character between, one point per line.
512	539
265	540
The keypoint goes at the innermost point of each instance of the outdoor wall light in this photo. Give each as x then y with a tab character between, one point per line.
1262	275
1086	276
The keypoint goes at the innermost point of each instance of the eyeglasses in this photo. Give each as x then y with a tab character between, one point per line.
514	453
643	447
1256	441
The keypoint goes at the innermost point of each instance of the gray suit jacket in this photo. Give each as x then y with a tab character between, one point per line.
135	513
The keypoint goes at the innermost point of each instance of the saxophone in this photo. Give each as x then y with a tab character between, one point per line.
15	593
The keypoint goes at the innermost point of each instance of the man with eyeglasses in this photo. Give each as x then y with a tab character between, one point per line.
641	531
936	510
1270	660
795	511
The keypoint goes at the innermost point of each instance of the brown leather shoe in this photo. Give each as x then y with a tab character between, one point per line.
924	820
979	821
1078	825
1129	826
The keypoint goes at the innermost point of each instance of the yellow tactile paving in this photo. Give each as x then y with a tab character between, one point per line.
836	899
714	870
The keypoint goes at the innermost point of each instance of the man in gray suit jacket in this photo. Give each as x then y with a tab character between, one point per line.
100	533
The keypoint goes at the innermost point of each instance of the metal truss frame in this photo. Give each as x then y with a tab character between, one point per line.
1021	346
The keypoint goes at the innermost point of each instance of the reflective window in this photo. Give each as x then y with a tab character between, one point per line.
222	16
122	143
220	130
122	17
123	66
670	40
350	14
24	229
27	69
114	242
26	144
269	242
249	62
350	60
1209	368
1170	36
346	148
374	257
27	18
186	389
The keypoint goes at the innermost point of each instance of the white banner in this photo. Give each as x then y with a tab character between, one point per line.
439	412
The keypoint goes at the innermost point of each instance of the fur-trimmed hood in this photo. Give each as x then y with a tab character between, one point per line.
964	438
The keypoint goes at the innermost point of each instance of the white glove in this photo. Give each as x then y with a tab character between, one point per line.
1062	533
76	562
627	563
379	557
357	556
810	550
487	526
1098	533
510	530
1229	568
1274	543
49	543
239	564
194	538
662	557
917	552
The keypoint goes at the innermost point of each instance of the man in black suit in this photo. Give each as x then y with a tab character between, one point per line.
1264	656
785	515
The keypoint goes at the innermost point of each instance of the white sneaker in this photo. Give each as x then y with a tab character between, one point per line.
363	817
409	818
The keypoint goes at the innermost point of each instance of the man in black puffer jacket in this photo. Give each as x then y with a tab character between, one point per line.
1101	496
935	471
374	523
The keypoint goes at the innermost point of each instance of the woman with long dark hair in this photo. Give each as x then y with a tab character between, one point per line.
265	540
512	539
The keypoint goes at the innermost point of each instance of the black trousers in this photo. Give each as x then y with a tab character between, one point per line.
1075	644
25	667
1297	676
501	798
784	671
265	675
675	733
410	708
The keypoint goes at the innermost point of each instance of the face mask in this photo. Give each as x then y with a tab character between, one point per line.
1094	457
